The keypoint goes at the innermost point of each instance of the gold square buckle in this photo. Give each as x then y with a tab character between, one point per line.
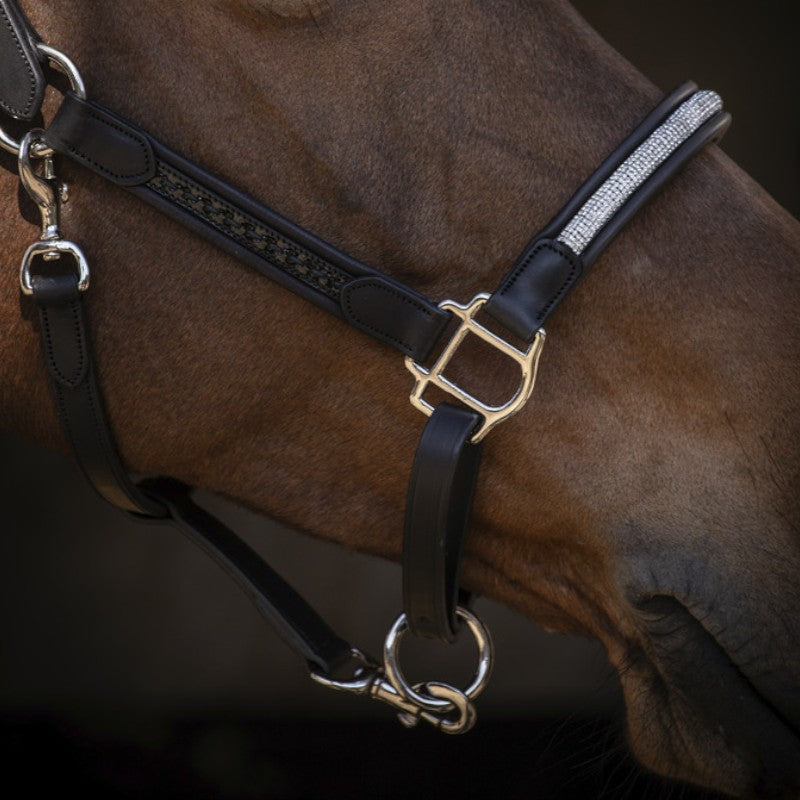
527	360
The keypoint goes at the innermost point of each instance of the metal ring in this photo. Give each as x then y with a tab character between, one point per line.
66	65
485	658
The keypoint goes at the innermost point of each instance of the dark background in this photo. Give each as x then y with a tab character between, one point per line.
131	666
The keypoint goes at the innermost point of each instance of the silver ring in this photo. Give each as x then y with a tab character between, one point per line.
66	65
395	676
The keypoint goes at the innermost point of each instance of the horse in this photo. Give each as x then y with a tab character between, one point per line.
646	497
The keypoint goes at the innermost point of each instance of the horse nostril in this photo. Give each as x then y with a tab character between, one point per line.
660	608
692	668
670	628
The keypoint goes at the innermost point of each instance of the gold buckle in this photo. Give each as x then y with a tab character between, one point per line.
527	360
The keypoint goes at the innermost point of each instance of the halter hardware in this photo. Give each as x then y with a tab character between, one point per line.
47	193
528	361
447	708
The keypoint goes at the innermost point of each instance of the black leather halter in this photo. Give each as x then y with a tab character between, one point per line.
448	457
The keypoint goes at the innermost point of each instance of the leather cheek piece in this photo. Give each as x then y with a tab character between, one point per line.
21	79
532	290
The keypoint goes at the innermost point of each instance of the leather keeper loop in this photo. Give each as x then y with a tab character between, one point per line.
101	141
393	315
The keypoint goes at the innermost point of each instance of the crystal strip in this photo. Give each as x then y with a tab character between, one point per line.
637	167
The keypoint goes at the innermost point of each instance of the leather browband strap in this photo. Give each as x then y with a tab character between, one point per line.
250	231
21	79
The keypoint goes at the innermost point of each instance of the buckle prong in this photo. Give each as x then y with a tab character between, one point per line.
527	360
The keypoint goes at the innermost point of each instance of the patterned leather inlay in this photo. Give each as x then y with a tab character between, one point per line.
257	237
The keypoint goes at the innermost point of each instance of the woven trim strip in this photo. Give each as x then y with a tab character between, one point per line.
637	167
252	234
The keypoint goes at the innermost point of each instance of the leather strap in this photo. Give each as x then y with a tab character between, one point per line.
547	270
440	494
446	465
541	278
298	625
532	290
68	354
21	80
306	265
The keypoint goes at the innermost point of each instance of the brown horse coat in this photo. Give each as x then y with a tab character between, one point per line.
648	495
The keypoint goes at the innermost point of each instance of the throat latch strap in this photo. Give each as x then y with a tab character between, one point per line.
303	630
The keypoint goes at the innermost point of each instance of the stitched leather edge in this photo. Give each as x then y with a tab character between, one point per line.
352	316
75	377
143	145
25	112
562	251
574	273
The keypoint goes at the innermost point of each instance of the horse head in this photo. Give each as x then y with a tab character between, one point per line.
647	496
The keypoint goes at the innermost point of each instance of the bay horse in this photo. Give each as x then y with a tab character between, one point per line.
648	496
